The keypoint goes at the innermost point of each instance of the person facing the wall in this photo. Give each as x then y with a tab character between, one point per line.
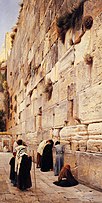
65	178
47	157
59	162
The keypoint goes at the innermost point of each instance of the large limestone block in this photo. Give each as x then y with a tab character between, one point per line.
46	134
25	52
20	97
54	97
68	37
67	60
89	169
82	128
63	87
17	129
60	114
38	122
23	127
37	105
53	33
94	145
34	94
75	132
29	127
30	139
55	132
42	10
55	94
95	128
22	105
28	100
42	32
30	54
22	116
67	132
29	87
54	73
21	85
61	49
38	76
40	88
28	112
71	159
74	145
48	118
96	49
82	48
83	76
38	55
46	43
82	145
90	104
43	68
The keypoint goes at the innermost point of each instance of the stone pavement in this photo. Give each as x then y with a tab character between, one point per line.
45	191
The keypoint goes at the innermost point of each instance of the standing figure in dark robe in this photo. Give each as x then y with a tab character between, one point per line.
12	170
23	167
65	178
47	157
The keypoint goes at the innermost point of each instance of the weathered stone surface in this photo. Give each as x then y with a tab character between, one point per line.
63	87
83	74
60	112
94	145
28	100
1	100
66	60
47	118
90	104
39	54
84	47
95	128
89	169
96	47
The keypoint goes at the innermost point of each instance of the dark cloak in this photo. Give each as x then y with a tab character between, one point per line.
24	177
47	158
67	181
12	168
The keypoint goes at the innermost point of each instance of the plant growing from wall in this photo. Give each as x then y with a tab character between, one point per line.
2	121
15	97
49	88
88	59
1	87
74	20
6	98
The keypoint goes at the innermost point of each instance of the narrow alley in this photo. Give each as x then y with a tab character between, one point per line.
43	189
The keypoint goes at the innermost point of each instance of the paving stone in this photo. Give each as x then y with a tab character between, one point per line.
45	191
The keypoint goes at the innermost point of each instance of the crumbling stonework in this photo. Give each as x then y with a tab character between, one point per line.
55	88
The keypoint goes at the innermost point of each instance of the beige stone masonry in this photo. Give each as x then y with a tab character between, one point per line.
73	111
60	114
90	104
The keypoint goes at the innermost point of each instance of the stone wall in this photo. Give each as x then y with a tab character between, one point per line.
55	87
